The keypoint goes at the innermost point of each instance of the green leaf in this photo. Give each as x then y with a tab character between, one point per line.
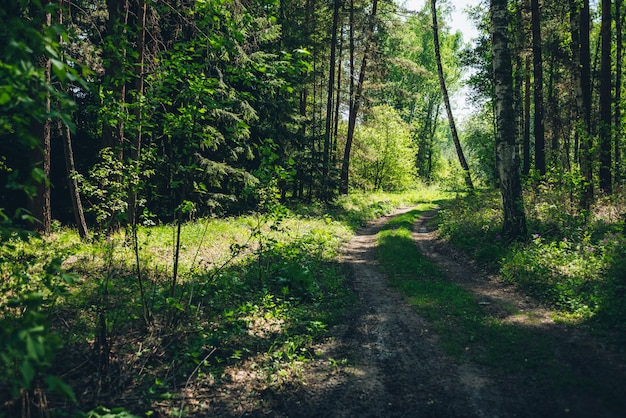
28	372
31	348
57	385
38	175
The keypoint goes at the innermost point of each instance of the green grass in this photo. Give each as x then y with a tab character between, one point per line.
257	288
466	330
570	261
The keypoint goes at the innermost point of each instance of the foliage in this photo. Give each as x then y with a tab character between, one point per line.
478	139
263	288
571	262
32	284
465	327
385	152
26	43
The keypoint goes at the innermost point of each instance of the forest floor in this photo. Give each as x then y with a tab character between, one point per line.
384	360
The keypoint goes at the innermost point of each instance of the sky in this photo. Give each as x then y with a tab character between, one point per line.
459	20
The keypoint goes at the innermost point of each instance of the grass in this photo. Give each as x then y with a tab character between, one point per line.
571	261
466	330
254	291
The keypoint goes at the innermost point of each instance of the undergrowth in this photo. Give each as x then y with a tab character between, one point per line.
571	260
253	293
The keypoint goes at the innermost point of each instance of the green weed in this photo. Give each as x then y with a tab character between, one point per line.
572	261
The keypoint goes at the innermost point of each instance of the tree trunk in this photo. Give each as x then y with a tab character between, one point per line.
330	95
337	116
514	226
354	110
580	21
39	204
617	175
68	152
539	129
605	99
112	136
77	206
526	136
139	90
446	100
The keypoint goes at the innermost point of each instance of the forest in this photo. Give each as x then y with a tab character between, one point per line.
178	179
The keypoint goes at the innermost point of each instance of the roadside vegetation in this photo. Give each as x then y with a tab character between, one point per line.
572	260
134	321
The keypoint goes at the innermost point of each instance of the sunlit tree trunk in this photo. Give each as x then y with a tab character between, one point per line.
446	100
514	226
605	99
581	71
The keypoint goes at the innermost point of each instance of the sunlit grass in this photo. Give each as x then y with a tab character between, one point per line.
258	288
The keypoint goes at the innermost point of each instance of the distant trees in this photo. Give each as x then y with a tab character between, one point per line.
569	127
195	105
385	152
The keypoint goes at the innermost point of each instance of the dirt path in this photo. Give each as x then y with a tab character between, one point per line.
395	367
384	361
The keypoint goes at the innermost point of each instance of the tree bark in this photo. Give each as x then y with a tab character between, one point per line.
514	226
77	206
605	99
617	175
330	93
581	53
64	130
446	100
112	136
39	204
139	93
539	128
526	135
354	110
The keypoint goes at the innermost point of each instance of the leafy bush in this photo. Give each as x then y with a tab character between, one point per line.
31	282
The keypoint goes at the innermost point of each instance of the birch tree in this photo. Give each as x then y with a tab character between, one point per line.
514	226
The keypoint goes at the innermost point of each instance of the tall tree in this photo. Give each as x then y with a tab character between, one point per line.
581	73
619	49
330	94
526	134
39	204
605	99
514	226
68	152
539	129
114	57
446	100
356	102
